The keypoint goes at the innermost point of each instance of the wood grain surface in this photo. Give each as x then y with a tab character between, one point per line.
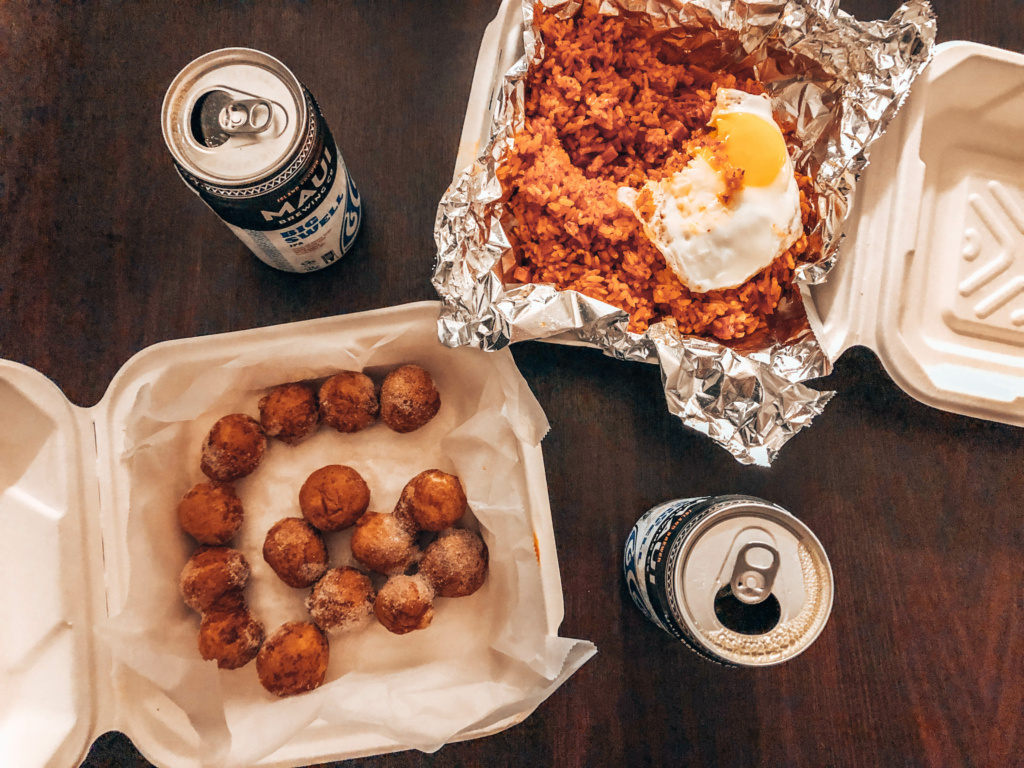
104	251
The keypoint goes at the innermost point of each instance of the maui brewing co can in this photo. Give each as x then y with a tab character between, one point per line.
249	139
737	579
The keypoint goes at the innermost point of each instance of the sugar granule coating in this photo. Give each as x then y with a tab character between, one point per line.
408	398
295	551
231	601
348	401
233	448
211	513
334	497
290	412
455	563
231	638
432	501
342	600
293	659
383	543
405	604
211	574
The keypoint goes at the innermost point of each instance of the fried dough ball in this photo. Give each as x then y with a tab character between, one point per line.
213	579
341	600
231	601
432	501
383	543
348	402
211	513
231	638
334	497
455	563
405	604
233	448
293	659
408	399
295	551
290	412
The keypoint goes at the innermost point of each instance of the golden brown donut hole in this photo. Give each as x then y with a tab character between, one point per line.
341	600
295	551
432	501
405	604
383	543
231	638
348	402
211	513
290	412
334	497
408	398
233	448
455	563
211	574
293	659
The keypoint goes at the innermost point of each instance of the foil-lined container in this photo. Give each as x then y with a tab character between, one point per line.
837	81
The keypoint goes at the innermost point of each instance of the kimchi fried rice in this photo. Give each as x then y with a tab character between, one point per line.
607	107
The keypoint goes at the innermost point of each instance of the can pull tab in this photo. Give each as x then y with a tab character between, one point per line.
753	576
222	116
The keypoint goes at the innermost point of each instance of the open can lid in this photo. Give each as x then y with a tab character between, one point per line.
47	673
932	273
235	117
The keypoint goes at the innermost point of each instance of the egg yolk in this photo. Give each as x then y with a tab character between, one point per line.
753	144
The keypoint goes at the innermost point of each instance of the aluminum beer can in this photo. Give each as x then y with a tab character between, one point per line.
738	579
249	139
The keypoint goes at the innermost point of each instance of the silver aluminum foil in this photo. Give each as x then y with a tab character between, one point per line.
844	81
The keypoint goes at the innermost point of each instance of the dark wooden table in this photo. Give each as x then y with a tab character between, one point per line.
103	251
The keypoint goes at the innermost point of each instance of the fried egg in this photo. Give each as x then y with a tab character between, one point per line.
711	244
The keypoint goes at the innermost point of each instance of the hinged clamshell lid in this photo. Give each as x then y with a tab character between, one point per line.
50	561
932	273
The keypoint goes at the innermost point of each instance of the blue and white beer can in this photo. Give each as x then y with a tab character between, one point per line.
737	579
250	140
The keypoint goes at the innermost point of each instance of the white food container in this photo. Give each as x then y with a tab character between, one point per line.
64	561
931	276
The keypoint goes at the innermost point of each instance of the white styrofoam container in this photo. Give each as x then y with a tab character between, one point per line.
931	275
64	562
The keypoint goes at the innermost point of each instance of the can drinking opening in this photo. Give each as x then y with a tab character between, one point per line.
745	618
219	115
208	102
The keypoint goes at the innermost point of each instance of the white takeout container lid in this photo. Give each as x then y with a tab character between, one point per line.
931	274
64	561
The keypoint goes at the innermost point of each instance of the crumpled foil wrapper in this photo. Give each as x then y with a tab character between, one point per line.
837	81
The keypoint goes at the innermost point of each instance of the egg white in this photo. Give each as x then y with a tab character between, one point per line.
709	245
